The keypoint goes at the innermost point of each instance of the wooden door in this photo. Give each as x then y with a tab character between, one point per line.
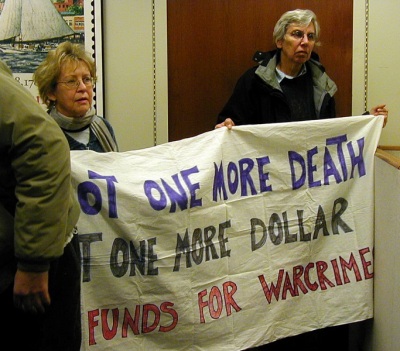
212	42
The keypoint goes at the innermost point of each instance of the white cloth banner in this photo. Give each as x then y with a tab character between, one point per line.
230	239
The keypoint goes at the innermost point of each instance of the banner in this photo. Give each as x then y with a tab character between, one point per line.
230	239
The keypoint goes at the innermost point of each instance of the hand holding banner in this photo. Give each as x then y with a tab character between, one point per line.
228	240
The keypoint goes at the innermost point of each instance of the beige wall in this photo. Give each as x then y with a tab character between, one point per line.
382	56
384	333
136	100
135	92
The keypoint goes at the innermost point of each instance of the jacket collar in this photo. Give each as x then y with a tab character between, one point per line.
267	71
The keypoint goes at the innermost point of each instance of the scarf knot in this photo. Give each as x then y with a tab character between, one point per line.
73	123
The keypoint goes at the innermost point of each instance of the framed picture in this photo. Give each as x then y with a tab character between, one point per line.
30	28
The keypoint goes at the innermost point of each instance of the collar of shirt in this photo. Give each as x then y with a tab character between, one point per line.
280	75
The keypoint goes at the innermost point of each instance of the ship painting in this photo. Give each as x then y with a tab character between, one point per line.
26	24
28	30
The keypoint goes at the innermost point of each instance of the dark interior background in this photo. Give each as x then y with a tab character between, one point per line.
212	42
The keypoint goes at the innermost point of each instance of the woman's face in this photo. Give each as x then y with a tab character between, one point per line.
73	101
297	44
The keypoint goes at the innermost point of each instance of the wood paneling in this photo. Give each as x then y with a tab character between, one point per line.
212	42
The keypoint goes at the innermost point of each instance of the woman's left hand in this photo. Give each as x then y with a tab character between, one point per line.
381	110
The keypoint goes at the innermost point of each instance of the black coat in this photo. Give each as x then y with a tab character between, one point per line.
255	101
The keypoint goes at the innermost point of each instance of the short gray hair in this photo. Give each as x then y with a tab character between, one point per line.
299	17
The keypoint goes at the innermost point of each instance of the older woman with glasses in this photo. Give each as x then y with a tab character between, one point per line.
65	80
289	84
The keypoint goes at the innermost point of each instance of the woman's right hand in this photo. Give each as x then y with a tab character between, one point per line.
227	123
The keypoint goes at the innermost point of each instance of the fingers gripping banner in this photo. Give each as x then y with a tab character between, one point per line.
228	240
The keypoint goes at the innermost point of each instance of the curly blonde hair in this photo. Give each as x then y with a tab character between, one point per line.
48	72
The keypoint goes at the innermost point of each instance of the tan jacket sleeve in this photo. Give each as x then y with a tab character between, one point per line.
38	153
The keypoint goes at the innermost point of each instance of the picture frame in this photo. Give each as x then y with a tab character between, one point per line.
94	44
24	52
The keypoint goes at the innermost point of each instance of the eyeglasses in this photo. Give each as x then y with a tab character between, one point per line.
299	35
74	83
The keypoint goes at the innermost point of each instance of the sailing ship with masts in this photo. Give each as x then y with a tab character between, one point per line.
25	25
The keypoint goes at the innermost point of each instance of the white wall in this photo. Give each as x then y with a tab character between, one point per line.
137	104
